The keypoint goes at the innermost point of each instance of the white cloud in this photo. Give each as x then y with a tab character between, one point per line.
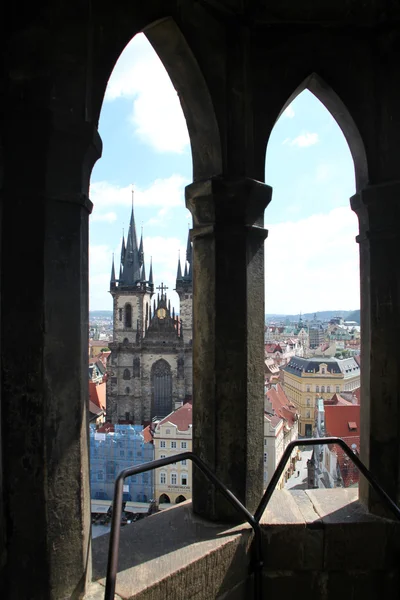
166	193
288	112
157	115
313	264
109	217
305	139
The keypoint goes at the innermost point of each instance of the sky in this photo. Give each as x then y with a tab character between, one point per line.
311	257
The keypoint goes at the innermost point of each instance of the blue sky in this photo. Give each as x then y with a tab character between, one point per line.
311	253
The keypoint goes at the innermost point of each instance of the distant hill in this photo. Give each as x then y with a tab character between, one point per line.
101	313
353	316
323	315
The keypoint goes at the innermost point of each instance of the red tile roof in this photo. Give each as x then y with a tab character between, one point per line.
349	472
281	405
97	394
336	400
147	434
181	417
338	417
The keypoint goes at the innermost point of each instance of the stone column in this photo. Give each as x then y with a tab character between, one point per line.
45	356
228	339
378	210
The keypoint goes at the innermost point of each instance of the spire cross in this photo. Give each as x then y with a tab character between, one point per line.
162	288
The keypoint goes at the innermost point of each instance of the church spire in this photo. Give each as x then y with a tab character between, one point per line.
141	253
123	248
112	278
179	272
151	271
131	264
189	258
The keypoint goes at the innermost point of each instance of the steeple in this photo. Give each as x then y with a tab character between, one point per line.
143	278
141	253
123	248
189	259
151	283
131	263
189	249
112	278
179	272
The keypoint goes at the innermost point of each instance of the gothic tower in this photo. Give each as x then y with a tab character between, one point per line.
132	294
184	289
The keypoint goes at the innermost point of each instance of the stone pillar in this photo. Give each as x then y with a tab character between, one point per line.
45	356
228	339
378	210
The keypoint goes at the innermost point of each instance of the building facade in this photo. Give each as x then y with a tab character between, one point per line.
172	435
150	366
307	380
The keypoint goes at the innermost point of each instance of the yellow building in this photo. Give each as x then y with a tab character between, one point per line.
307	379
173	435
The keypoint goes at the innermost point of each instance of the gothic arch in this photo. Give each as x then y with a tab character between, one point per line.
164	499
180	499
182	67
161	388
339	111
128	315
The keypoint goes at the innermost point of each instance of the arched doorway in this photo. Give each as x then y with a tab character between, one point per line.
180	499
164	499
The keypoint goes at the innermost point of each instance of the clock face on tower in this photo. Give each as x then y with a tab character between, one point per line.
161	313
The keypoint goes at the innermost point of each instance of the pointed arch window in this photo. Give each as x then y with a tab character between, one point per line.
161	386
128	315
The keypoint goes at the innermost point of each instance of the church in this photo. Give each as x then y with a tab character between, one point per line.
150	365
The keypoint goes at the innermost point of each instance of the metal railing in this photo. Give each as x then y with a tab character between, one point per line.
253	520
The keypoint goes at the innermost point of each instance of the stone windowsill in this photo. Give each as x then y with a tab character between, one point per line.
316	533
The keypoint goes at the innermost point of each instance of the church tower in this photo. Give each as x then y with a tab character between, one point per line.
132	294
184	289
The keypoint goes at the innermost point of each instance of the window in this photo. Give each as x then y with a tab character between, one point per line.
163	455
323	371
162	444
308	414
184	480
337	389
265	441
128	316
308	388
163	478
173	444
265	458
167	432
184	445
145	478
328	389
322	389
308	402
122	452
183	463
173	478
120	314
126	374
100	476
317	388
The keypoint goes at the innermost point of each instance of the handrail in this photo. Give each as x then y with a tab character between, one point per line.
112	565
253	520
321	442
